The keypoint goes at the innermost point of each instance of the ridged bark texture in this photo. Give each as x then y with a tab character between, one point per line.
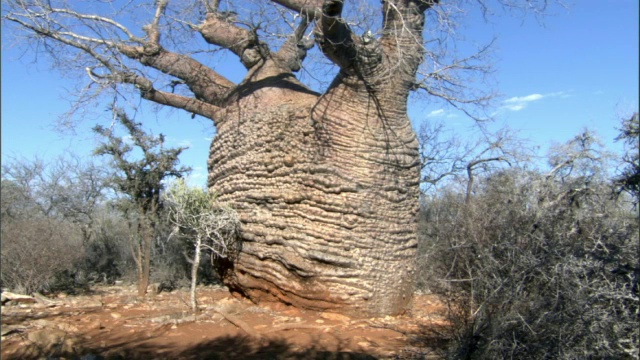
327	191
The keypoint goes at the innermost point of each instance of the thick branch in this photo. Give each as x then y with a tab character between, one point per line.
402	26
219	29
204	82
148	92
191	105
336	39
311	9
294	50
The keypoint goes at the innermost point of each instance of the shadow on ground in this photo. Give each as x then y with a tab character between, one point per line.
226	347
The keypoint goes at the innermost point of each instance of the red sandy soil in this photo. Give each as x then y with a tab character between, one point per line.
112	323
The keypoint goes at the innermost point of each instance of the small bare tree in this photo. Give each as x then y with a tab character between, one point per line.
444	157
141	181
207	225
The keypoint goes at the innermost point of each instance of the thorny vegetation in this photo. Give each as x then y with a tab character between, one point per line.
538	264
141	182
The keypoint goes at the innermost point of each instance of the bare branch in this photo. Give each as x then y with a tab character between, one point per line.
311	9
335	37
148	92
204	82
102	19
294	50
218	29
450	82
446	156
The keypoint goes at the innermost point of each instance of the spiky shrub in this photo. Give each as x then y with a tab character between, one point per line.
35	250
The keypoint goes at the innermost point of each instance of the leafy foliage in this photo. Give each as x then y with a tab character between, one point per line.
195	213
141	180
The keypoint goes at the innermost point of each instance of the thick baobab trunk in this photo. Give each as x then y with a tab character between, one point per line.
327	191
326	185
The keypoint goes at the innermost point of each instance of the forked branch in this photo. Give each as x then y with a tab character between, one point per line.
219	29
294	50
336	38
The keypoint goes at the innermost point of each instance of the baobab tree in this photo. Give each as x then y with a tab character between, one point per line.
326	183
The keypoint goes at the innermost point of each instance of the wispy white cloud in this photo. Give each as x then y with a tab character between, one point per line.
524	99
178	142
436	113
518	103
515	107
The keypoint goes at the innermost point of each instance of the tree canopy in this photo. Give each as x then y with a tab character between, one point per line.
181	53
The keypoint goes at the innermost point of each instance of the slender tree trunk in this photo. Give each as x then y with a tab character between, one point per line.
194	273
467	197
144	269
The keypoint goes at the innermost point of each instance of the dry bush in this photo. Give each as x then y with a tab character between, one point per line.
107	256
204	223
535	267
35	250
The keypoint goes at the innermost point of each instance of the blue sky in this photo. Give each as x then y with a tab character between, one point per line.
572	69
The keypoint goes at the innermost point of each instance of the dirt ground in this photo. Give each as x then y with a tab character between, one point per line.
112	323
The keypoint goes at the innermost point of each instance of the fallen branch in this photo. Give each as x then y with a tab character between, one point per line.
44	300
237	322
285	327
9	296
